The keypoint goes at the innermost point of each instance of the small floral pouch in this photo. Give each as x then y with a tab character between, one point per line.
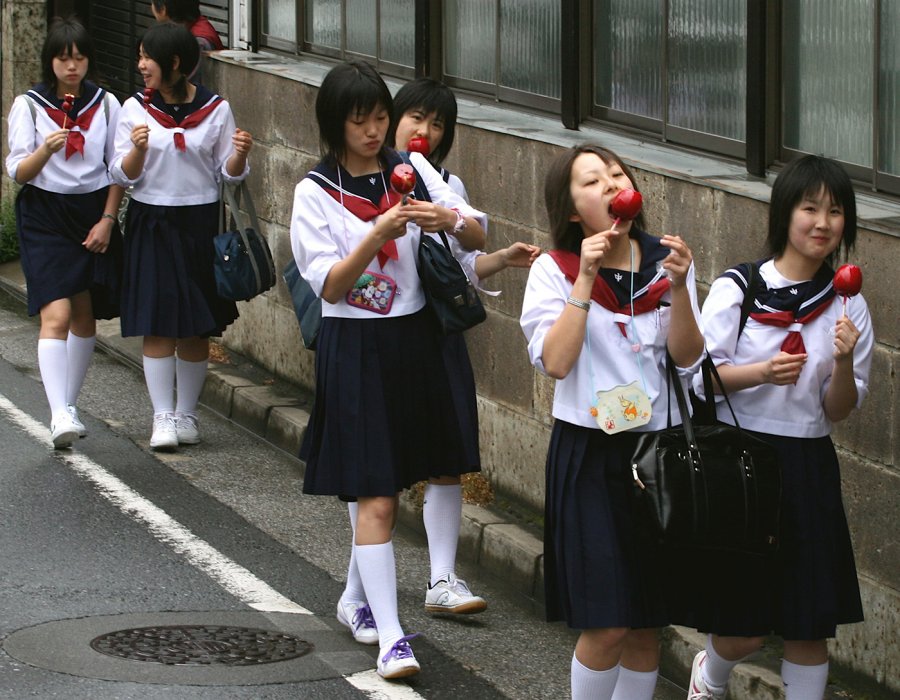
373	292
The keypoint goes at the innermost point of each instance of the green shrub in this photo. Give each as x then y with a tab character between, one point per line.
9	243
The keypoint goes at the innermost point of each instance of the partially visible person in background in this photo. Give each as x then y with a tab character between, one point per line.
60	141
187	12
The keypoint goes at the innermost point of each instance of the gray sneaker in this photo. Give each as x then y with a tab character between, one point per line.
165	437
188	429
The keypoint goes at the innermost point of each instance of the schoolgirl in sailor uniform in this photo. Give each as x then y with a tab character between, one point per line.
71	247
600	574
384	416
800	365
426	109
175	151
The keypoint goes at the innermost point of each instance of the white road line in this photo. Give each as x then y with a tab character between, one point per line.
229	574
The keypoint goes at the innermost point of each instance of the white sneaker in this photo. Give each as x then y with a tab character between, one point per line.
165	437
63	431
358	618
697	688
82	431
452	596
187	428
398	660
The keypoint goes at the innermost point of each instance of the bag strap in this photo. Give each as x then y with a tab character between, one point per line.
233	197
674	383
749	295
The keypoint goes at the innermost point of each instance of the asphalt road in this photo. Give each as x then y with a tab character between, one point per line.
109	537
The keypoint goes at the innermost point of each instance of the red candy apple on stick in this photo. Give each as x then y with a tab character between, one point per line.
403	180
847	282
418	144
67	104
626	205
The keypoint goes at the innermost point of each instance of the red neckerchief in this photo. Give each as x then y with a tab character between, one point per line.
360	207
648	299
82	122
190	121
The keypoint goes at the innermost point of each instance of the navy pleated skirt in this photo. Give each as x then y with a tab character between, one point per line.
51	229
384	415
601	568
811	586
169	287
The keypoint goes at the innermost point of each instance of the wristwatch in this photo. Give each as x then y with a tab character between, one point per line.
460	224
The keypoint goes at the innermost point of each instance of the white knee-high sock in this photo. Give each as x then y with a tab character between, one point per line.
159	373
79	351
442	514
54	365
635	685
189	383
804	682
588	684
379	576
354	590
717	670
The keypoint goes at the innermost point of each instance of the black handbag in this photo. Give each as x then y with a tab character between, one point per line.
307	304
243	263
710	486
449	294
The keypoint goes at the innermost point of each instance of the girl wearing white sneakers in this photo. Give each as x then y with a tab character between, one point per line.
800	365
174	149
601	310
60	140
384	416
425	109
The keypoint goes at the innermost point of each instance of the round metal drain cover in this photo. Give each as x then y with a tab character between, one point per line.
201	645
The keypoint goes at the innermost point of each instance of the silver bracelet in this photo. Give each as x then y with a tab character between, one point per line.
583	305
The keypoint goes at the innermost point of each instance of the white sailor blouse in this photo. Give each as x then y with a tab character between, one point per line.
80	166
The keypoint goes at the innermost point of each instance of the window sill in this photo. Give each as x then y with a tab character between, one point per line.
875	213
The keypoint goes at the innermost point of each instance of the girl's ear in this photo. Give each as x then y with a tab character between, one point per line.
575	217
176	63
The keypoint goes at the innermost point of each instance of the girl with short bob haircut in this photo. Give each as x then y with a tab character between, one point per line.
176	54
799	365
66	215
384	416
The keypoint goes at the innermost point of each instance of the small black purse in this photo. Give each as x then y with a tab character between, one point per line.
449	294
708	486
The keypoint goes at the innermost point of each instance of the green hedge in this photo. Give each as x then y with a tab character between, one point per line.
9	243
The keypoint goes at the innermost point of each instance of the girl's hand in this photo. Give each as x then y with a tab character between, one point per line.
520	254
784	369
430	217
242	141
678	261
593	248
392	223
140	137
97	240
56	140
845	337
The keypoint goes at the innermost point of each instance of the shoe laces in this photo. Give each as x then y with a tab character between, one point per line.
163	421
400	649
363	618
459	586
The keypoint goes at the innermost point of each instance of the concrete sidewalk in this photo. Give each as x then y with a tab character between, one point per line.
278	411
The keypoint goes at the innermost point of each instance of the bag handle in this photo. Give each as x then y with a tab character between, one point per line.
233	196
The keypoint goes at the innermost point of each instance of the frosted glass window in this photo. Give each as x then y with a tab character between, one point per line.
828	51
889	89
628	55
470	31
398	31
361	27
707	48
529	46
280	19
323	22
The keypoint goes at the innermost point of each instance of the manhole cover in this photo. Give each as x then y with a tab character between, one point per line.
201	645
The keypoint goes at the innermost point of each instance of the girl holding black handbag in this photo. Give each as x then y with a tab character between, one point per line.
799	365
600	312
